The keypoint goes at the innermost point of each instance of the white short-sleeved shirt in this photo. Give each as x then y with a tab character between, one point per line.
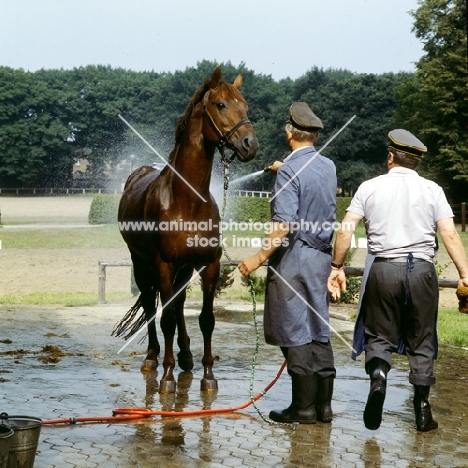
400	211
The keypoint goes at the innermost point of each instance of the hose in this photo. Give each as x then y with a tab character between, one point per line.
128	414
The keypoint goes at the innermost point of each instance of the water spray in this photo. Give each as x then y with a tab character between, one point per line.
241	179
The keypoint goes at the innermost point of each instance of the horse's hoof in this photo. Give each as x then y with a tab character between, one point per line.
149	365
185	361
209	385
167	386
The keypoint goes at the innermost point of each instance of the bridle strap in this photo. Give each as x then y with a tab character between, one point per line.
223	138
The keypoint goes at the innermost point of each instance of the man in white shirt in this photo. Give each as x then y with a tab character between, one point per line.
399	297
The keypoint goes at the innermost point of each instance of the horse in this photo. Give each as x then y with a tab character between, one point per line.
181	226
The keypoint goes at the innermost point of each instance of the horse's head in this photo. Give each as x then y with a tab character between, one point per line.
226	120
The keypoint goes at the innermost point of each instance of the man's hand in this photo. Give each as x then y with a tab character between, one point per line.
274	167
279	231
250	264
336	281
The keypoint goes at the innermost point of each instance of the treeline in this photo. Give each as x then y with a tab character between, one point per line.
50	119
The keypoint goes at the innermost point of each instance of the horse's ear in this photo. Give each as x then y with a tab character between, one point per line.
216	77
238	81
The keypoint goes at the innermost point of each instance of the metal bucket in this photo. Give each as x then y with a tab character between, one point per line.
5	442
25	440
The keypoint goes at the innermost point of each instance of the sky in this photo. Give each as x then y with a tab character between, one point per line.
281	38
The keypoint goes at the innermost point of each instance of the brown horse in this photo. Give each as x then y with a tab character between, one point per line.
181	230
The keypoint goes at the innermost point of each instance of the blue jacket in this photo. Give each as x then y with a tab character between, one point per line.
296	301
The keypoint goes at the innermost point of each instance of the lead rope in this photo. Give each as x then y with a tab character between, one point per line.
226	162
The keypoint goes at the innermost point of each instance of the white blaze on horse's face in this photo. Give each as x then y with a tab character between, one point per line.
226	111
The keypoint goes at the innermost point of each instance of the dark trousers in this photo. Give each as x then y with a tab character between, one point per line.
401	303
311	358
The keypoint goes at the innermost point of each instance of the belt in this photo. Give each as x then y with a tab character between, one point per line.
397	259
409	261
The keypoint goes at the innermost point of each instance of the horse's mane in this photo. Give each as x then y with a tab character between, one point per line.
182	122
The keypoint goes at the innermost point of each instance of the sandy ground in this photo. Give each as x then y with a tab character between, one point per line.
55	270
76	270
47	210
60	270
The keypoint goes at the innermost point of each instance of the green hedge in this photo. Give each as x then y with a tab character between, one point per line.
244	209
241	209
258	209
342	204
104	209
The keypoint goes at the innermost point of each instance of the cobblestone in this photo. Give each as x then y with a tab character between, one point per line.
93	379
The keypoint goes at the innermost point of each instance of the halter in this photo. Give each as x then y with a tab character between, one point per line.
223	138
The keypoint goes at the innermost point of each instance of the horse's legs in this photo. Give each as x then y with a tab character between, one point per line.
144	278
210	276
168	326
184	358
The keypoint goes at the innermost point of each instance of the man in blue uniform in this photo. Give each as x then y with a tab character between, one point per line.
298	250
403	213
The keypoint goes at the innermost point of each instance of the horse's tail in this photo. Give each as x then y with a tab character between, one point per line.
131	321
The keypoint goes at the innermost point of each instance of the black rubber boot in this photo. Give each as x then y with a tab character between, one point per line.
302	408
422	409
378	370
324	398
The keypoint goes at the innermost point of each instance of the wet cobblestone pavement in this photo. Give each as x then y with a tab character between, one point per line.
93	379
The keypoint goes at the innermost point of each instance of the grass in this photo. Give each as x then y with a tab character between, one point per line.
361	232
61	299
453	327
106	236
463	237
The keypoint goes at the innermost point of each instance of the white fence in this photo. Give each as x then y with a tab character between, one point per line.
84	191
55	191
252	193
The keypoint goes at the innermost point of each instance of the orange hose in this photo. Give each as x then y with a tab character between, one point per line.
126	414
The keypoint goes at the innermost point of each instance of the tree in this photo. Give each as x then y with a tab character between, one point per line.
434	105
52	117
35	145
99	95
341	95
335	96
351	174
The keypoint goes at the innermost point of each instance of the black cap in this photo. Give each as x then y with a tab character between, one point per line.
406	142
302	117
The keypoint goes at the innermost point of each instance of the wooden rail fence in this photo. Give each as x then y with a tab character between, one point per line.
103	264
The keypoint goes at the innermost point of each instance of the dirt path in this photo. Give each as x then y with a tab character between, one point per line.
76	270
55	270
53	210
60	271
